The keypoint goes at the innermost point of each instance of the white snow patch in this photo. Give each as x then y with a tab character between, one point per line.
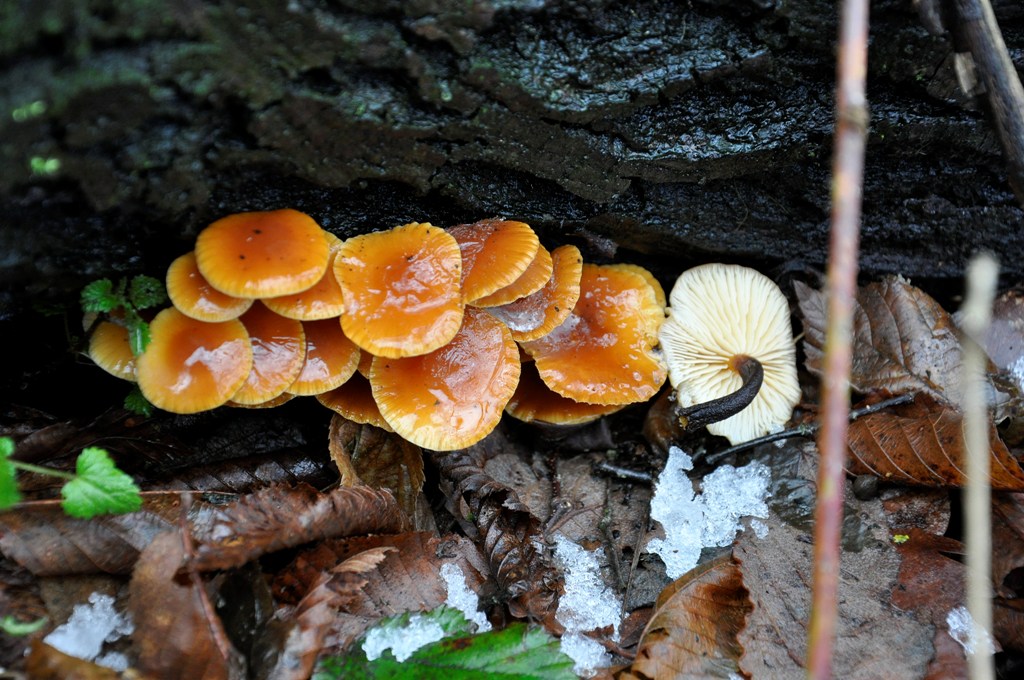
961	629
711	519
588	653
1017	372
89	626
759	528
404	640
462	598
586	605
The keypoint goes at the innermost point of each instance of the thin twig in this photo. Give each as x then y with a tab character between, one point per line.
808	429
982	275
847	185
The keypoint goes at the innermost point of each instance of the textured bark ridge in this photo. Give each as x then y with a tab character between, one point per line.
678	131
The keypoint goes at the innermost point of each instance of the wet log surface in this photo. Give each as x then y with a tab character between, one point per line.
656	132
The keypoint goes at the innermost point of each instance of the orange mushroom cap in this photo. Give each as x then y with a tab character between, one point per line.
659	292
534	401
454	396
272	403
262	254
531	280
494	254
193	295
111	350
278	354
365	362
534	316
322	301
401	289
331	358
354	401
191	365
603	353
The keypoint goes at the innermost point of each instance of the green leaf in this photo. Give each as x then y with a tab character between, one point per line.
99	487
138	337
145	291
13	626
9	494
137	403
100	296
518	651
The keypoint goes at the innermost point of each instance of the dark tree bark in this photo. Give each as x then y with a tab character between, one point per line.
670	132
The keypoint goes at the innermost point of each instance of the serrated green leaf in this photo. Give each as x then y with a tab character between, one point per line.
13	626
9	494
145	291
99	487
100	296
518	651
137	403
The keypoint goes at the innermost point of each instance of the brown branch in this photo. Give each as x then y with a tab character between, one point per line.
977	26
847	173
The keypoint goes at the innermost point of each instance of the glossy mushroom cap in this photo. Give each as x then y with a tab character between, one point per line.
190	365
278	354
321	301
111	350
262	254
454	396
528	283
354	401
193	295
603	353
494	254
534	401
401	289
331	358
718	313
536	315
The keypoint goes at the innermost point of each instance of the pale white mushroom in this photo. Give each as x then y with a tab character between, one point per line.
719	315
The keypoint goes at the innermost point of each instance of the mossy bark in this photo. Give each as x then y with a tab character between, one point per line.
662	132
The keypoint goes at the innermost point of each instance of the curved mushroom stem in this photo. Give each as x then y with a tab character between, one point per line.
700	415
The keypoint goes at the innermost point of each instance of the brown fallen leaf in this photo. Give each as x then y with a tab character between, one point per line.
693	633
46	663
42	538
244	475
1004	341
873	640
903	341
302	632
1008	623
420	554
922	443
283	517
177	635
380	459
930	585
388	575
1007	540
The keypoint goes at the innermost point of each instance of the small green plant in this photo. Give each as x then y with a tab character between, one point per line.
16	628
122	303
96	487
518	651
137	403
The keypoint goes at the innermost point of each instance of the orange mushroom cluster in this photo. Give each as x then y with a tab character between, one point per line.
431	333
